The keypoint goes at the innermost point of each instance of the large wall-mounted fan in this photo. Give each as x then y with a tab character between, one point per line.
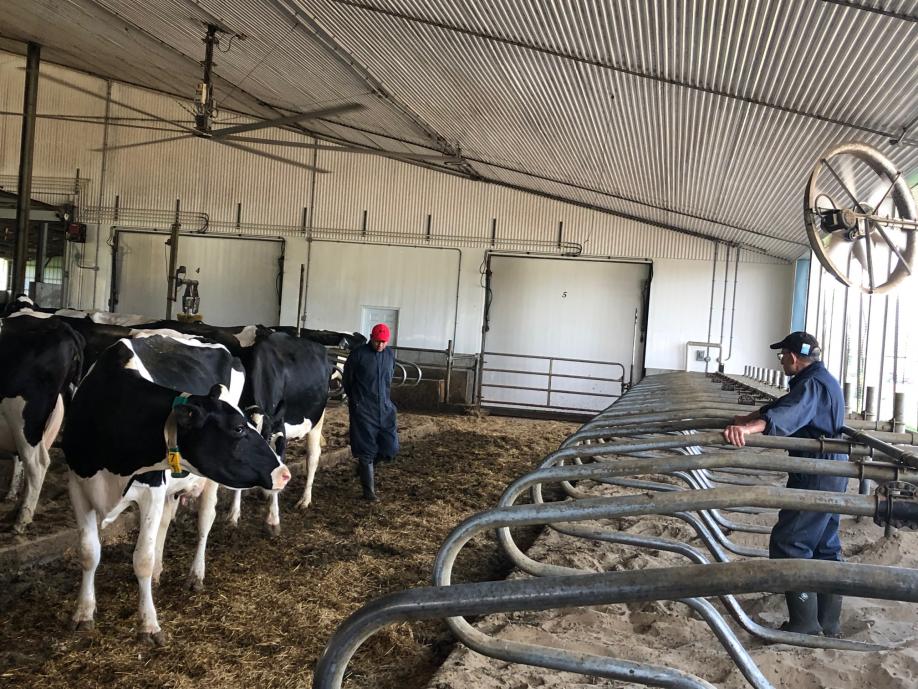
205	115
860	218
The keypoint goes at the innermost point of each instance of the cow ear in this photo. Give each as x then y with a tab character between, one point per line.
215	392
188	415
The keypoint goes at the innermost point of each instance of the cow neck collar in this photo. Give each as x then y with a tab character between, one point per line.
170	431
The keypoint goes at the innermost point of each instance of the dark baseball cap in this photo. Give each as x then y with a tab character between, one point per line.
799	342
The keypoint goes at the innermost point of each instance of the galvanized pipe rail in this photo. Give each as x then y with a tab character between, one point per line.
617	455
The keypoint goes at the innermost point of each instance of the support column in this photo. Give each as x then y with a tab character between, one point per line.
24	189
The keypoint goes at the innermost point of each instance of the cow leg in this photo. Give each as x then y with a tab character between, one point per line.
235	508
36	461
272	518
207	512
90	553
314	450
151	503
15	480
169	509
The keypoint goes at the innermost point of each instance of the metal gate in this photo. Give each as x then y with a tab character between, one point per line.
525	381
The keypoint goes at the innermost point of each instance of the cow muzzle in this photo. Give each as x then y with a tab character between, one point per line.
280	477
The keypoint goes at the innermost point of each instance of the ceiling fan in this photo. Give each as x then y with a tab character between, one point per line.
205	114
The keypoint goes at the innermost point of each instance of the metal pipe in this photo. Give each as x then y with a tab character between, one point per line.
103	169
870	404
707	354
901	456
670	583
733	311
41	254
299	300
723	311
898	412
26	153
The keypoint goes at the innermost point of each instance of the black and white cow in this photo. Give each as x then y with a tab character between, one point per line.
329	338
285	395
39	361
144	398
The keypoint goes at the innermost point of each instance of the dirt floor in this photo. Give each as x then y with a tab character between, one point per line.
270	605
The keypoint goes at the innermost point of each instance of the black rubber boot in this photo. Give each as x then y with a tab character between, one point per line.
802	608
829	605
366	480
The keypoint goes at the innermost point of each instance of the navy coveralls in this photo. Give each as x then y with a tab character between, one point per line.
367	378
814	407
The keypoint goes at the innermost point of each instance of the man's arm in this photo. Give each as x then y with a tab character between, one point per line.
743	426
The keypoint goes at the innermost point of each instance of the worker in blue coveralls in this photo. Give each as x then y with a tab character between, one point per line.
814	407
373	430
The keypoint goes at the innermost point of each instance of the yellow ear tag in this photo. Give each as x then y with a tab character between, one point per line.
174	457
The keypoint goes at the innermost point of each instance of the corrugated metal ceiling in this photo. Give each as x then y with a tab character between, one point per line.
703	117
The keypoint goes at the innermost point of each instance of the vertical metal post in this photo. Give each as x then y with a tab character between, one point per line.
449	368
173	260
870	404
899	412
723	313
846	387
26	151
299	302
707	353
550	362
42	253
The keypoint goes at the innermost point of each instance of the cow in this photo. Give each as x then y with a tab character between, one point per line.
156	404
328	338
285	395
39	361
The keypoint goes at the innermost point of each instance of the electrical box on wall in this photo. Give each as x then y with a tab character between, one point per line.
76	232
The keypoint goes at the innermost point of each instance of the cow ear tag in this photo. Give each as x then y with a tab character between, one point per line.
173	456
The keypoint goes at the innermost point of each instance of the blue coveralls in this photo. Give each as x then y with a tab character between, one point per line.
814	407
367	379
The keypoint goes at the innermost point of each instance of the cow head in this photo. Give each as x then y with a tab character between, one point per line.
217	442
270	426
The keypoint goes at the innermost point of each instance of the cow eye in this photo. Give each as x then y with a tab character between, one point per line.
239	430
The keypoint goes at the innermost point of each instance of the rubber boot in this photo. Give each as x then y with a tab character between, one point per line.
366	480
802	608
830	606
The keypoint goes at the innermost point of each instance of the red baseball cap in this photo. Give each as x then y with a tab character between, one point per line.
380	332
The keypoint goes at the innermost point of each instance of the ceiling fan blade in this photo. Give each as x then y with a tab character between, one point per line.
118	103
145	143
345	149
288	119
270	156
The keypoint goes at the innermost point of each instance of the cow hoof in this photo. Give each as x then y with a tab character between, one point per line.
152	638
272	530
195	584
233	522
82	625
302	504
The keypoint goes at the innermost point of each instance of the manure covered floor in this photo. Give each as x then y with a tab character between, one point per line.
270	605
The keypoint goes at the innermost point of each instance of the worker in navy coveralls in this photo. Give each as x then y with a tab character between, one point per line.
373	430
813	408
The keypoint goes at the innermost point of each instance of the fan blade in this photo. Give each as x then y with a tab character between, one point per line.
289	119
145	143
271	156
118	103
345	149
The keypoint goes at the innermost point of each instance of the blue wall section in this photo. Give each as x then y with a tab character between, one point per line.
801	285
